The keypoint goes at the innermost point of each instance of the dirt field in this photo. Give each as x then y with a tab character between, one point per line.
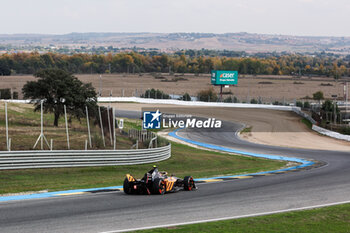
279	128
268	88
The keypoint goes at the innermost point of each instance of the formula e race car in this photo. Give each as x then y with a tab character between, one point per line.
155	182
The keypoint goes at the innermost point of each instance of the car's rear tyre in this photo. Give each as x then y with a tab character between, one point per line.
127	186
158	186
189	183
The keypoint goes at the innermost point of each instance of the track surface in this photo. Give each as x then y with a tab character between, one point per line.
117	211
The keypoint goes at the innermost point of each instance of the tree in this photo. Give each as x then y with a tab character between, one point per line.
328	106
4	67
58	88
318	95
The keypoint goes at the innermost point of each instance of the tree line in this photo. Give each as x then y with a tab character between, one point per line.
133	62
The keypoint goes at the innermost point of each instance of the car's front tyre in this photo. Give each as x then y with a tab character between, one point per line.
189	183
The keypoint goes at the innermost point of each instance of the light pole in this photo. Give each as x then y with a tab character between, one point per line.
346	99
100	81
334	109
88	125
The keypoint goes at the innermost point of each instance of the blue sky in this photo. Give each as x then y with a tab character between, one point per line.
295	17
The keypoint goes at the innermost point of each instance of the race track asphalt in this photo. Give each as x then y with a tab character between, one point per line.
112	211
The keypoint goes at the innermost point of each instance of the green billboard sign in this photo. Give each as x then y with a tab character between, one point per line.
224	77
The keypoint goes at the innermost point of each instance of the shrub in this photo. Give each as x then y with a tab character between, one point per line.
186	97
345	130
155	94
208	95
162	141
5	93
299	104
253	101
15	95
231	100
307	104
277	103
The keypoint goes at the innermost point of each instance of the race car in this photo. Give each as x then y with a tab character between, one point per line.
155	182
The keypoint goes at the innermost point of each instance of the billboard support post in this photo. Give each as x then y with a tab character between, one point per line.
221	93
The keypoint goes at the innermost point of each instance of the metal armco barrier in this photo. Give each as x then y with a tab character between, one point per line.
81	158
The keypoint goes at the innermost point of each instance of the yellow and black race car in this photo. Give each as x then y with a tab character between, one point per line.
155	182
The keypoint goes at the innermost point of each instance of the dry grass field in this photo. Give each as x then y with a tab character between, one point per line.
268	88
24	129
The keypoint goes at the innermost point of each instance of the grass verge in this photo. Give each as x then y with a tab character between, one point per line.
24	129
185	160
247	130
307	123
327	219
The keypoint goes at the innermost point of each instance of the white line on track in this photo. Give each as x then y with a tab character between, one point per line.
228	218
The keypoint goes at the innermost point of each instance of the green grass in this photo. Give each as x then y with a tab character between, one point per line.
329	219
137	124
185	160
307	123
247	130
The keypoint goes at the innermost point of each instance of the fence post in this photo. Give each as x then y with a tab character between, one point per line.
9	149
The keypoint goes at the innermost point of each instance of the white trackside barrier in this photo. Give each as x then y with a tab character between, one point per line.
331	133
192	103
297	110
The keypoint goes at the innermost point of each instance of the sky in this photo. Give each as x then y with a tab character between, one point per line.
293	17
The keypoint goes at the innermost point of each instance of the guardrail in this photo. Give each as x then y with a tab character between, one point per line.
81	158
192	103
331	133
304	115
